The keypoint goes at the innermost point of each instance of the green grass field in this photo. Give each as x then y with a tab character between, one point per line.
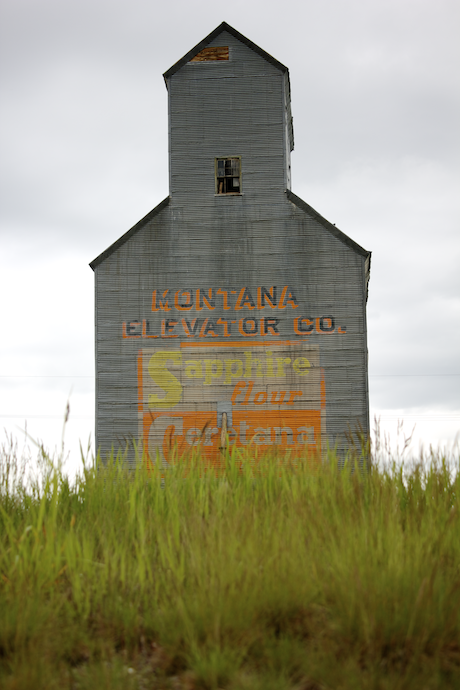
263	576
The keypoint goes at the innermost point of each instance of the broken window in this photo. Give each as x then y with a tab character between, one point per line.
228	175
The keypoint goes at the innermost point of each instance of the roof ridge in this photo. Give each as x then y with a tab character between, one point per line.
210	37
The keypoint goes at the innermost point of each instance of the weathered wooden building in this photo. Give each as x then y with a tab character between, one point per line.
232	301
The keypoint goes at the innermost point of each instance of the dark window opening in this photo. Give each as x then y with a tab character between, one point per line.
228	175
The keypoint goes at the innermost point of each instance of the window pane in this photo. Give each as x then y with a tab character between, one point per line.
228	172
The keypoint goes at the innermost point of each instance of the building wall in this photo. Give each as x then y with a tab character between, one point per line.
233	107
168	361
325	278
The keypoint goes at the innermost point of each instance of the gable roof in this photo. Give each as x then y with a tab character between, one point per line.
300	203
266	56
124	238
202	44
296	200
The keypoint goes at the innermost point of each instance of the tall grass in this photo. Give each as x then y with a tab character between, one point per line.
262	575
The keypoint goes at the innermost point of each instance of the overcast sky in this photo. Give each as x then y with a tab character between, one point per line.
376	106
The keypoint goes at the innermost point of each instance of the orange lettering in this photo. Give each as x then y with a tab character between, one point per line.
264	295
132	324
190	328
166	327
225	294
244	300
248	393
245	324
273	399
209	301
238	390
144	330
294	394
209	330
260	398
269	326
291	299
188	305
164	305
301	330
202	331
224	323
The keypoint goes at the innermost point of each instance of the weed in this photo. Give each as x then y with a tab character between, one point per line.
263	573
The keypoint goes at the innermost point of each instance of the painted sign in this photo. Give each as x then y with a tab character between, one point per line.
203	314
204	365
272	393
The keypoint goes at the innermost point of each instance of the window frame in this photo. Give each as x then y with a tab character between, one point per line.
217	178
